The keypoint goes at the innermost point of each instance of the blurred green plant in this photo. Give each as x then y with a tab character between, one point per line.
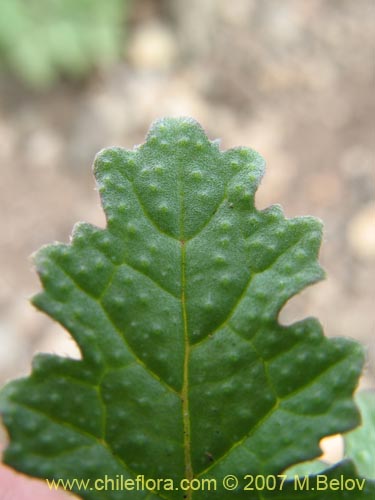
40	40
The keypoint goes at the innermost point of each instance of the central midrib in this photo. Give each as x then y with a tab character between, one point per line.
185	385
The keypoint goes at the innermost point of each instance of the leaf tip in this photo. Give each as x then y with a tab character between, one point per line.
177	130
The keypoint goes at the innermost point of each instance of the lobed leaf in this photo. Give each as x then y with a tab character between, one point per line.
185	369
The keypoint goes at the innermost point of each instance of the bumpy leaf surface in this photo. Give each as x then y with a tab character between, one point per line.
185	371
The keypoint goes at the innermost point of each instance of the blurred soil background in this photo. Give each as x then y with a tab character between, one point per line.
293	80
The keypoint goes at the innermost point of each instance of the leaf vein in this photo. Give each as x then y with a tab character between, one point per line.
119	333
269	413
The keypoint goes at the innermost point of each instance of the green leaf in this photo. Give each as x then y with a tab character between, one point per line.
305	468
340	482
185	370
360	444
